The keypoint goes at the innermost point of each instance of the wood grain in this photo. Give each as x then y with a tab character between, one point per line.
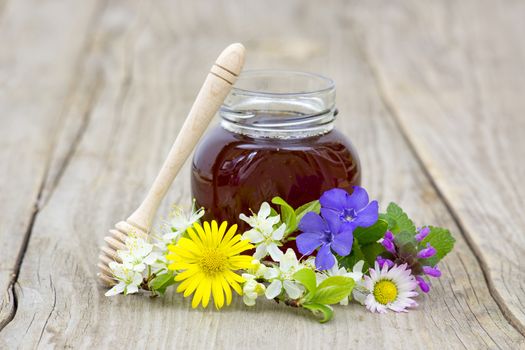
145	84
455	85
35	76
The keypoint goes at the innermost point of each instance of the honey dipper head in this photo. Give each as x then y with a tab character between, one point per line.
232	58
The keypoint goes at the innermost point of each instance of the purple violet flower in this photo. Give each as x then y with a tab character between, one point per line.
423	232
388	242
352	209
422	284
327	234
426	253
432	271
382	261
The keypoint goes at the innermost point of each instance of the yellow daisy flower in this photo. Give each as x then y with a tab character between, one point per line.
206	260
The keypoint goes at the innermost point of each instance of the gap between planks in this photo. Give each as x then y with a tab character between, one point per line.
391	109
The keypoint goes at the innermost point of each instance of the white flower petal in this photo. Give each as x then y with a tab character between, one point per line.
253	235
274	289
117	289
278	234
292	289
264	211
260	252
275	253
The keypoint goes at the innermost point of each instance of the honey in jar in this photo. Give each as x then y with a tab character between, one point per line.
276	138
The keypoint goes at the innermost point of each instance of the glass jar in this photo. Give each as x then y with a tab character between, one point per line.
276	138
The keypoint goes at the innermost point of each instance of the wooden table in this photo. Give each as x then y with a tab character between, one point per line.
92	94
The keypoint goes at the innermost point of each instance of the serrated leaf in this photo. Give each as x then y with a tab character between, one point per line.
398	220
350	260
307	278
366	235
370	253
332	290
161	282
287	215
404	237
314	206
324	311
441	239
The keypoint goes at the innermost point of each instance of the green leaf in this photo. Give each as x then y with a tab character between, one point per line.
398	220
287	215
371	251
324	311
350	260
161	282
307	278
441	239
366	235
333	289
405	237
314	206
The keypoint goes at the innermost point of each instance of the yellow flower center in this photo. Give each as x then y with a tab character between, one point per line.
385	292
213	261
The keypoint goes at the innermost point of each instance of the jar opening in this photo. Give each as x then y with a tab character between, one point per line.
280	104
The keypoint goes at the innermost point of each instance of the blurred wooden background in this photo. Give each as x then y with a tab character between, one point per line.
92	94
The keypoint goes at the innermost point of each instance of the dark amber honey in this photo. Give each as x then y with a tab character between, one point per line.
234	173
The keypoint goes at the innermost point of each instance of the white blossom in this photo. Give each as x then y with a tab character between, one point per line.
129	279
281	277
263	235
251	289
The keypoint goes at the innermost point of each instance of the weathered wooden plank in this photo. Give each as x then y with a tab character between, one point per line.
36	60
146	87
455	83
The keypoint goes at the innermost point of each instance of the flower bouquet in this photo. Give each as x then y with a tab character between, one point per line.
345	250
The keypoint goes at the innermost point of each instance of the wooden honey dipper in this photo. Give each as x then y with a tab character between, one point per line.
216	87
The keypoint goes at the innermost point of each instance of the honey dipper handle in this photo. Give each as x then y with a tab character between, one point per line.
216	87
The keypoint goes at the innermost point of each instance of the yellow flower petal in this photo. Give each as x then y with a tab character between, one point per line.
227	290
186	274
239	248
229	234
206	292
193	284
201	233
218	296
241	262
194	238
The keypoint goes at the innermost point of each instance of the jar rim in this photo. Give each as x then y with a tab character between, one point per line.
326	84
280	104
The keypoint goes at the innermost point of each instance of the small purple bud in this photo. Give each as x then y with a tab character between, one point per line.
426	253
422	284
381	261
389	235
432	271
389	245
422	234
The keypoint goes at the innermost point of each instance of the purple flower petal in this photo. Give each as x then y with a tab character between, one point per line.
367	216
358	199
333	219
422	234
324	259
312	223
389	245
426	253
432	271
389	235
381	261
342	243
422	284
308	242
334	199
